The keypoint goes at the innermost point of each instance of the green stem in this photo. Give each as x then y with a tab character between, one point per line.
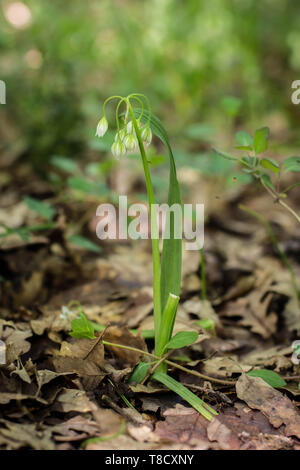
166	327
154	229
147	103
109	99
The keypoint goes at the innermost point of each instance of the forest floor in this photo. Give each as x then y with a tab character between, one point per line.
58	392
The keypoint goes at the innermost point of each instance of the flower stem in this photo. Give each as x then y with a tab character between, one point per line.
166	327
154	229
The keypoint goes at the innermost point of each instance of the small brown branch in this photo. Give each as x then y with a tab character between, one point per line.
173	364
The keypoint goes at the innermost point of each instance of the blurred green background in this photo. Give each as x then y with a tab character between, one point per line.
208	67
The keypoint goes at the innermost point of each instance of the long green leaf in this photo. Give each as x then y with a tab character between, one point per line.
186	394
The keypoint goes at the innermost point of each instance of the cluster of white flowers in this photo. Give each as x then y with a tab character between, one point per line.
125	139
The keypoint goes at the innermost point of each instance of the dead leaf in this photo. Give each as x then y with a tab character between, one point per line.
252	309
278	408
84	357
219	432
45	376
15	336
224	366
90	374
185	426
73	400
77	428
87	349
271	357
16	436
122	335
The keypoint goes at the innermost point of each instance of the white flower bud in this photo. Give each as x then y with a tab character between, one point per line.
118	149
102	127
146	135
129	127
120	135
131	142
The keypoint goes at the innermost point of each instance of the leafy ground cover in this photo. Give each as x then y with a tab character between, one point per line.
63	392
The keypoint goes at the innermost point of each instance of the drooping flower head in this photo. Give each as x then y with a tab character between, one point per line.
133	132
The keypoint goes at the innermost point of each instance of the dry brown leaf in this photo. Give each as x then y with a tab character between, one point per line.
253	313
45	376
7	397
224	366
84	357
75	429
16	436
219	432
87	349
278	408
14	337
253	308
183	425
73	400
122	335
291	310
90	374
271	357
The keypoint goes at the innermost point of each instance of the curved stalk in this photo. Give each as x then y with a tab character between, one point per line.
154	229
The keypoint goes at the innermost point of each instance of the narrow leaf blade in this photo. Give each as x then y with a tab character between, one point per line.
186	394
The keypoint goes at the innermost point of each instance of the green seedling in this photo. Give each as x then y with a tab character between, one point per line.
267	170
82	328
134	134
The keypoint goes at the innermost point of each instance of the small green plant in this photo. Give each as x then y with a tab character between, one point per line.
82	328
268	171
135	133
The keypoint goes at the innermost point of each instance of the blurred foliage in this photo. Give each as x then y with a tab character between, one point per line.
204	65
